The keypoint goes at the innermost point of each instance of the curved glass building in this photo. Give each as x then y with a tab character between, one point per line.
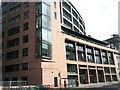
71	18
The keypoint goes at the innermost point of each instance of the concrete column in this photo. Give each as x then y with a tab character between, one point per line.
97	75
77	61
88	74
104	74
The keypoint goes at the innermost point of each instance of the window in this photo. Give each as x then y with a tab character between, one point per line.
38	50
39	8
66	6
4	6
14	20
68	24
46	2
70	51
104	57
46	50
113	71
81	53
98	56
24	66
71	69
75	22
107	70
38	22
3	34
54	4
45	9
4	24
14	9
4	14
108	78
25	52
26	14
25	39
12	55
111	59
67	15
114	77
13	31
90	55
76	30
13	42
3	46
11	68
75	14
46	21
26	4
46	35
26	26
55	15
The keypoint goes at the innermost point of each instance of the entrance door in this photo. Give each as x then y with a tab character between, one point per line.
55	82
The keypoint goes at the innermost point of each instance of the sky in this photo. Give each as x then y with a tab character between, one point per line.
100	17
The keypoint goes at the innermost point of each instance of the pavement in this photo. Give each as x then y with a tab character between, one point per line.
95	86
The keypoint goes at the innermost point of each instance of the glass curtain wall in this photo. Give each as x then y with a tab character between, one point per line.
43	29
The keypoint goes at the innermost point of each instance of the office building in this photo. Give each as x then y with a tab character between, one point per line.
45	43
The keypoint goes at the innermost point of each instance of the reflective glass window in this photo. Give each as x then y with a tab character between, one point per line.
45	21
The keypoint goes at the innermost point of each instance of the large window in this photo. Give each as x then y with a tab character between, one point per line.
38	8
26	14
107	70
15	9
13	31
38	49
68	24
75	14
81	53
98	56
45	9
111	59
14	20
46	35
26	4
13	42
113	71
90	55
11	68
75	22
66	6
4	14
67	15
70	51
46	50
72	69
45	21
12	55
43	32
104	57
38	22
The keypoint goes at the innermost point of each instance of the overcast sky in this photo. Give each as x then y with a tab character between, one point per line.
100	17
